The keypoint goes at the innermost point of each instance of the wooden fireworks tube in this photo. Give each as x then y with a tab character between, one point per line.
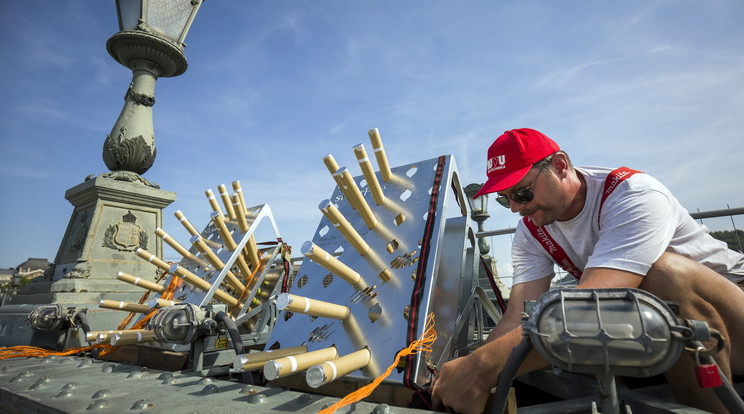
125	306
289	365
151	258
333	168
136	281
385	275
202	284
216	262
213	201
219	224
236	187
382	162
242	222
272	277
250	249
164	303
255	360
186	223
369	174
348	181
344	227
105	336
328	371
263	294
175	245
307	306
333	265
226	201
132	338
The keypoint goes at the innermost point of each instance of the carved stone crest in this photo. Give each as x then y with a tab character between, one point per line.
80	271
125	235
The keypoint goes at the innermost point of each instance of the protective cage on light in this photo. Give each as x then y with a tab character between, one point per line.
610	331
48	317
179	324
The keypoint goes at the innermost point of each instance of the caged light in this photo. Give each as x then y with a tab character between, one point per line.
605	331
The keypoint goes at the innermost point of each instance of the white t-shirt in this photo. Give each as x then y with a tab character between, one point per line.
641	219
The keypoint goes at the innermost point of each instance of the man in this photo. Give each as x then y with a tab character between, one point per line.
627	231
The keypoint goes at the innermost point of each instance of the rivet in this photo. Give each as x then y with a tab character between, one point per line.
248	390
169	381
142	405
41	381
306	398
64	394
204	381
22	376
381	409
98	405
101	394
210	389
256	399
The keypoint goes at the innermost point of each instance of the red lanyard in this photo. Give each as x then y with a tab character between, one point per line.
549	244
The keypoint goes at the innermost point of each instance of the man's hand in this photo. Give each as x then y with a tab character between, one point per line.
461	385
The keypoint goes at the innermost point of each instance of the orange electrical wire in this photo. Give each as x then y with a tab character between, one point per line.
246	291
423	344
32	351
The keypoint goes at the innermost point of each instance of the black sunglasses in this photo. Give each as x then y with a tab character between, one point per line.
522	196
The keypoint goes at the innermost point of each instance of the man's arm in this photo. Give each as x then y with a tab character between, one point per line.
465	383
602	277
520	293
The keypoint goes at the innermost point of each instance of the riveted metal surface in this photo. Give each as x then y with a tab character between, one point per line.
77	384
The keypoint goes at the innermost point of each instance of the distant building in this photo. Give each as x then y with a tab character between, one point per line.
31	269
6	276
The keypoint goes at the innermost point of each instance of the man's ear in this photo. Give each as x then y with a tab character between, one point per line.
560	164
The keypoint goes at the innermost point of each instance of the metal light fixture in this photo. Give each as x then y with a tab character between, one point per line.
605	331
150	43
48	317
478	212
181	324
608	332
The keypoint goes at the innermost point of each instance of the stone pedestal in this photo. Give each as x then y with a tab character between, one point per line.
115	214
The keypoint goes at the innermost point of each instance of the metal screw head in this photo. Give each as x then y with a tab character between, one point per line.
256	399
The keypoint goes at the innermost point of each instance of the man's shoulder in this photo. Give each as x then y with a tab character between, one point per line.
642	181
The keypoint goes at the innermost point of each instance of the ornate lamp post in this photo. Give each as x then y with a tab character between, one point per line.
487	272
479	213
150	43
117	212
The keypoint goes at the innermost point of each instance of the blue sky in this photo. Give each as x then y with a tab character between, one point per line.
273	86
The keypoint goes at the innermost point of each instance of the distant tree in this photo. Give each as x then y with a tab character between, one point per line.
734	239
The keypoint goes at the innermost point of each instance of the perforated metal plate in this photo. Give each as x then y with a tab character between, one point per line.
409	193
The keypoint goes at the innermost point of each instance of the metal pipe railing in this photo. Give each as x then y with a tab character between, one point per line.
697	216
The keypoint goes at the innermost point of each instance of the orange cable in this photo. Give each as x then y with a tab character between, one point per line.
423	344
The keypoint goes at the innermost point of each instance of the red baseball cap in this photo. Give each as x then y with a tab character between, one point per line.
512	155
